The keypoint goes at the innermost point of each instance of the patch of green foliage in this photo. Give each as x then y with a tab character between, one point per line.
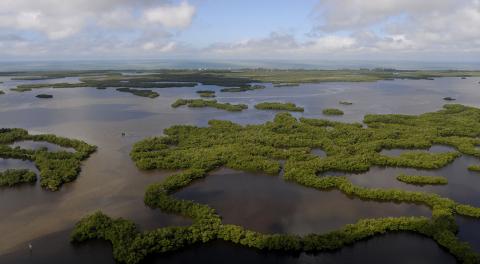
422	180
332	111
279	106
44	96
56	168
206	93
474	167
139	92
209	103
13	177
259	148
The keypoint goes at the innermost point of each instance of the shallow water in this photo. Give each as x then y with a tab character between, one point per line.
110	182
268	204
36	145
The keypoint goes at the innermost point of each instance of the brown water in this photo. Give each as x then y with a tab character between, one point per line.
110	182
36	145
269	204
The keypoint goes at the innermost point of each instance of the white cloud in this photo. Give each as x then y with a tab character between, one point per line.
179	16
408	26
350	14
59	19
152	46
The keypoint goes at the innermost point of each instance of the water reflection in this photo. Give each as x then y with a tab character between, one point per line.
269	204
392	248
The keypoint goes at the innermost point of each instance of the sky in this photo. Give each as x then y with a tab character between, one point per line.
430	30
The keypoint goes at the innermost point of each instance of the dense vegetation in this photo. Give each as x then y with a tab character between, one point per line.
332	111
56	168
474	167
139	92
209	103
350	148
44	96
279	106
206	93
13	177
422	180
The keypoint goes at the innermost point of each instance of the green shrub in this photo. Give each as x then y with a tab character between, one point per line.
422	180
279	106
56	168
209	103
332	111
13	177
139	92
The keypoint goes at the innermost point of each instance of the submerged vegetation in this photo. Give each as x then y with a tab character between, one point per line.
139	92
332	111
260	148
56	168
209	103
16	176
422	180
279	106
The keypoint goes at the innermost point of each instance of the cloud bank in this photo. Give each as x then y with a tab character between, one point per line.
429	29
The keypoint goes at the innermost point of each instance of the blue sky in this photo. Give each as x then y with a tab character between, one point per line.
214	29
230	21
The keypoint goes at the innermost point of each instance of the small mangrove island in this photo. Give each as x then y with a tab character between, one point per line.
56	168
422	180
44	96
279	106
332	111
206	93
209	103
242	88
139	92
14	177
